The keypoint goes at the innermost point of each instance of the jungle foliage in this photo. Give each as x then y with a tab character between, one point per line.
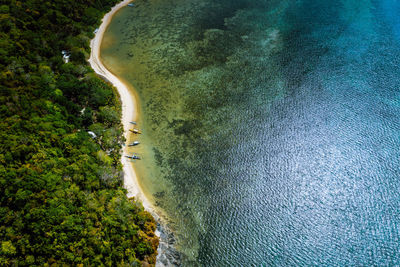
61	195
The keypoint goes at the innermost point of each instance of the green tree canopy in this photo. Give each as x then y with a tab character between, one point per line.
61	195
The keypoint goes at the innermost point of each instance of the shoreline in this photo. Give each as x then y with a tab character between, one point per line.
129	106
166	253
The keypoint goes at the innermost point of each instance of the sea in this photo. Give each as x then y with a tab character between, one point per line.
271	128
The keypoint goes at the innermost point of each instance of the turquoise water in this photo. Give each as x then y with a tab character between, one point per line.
271	129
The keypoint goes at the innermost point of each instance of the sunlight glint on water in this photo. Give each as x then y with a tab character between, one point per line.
271	129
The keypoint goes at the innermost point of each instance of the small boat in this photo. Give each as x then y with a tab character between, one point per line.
133	122
131	4
135	143
135	131
133	157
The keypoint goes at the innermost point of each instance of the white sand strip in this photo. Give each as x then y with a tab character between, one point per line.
129	106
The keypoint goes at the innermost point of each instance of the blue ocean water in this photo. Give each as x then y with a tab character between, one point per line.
281	143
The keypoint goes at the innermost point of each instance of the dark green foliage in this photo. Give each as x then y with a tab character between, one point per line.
61	200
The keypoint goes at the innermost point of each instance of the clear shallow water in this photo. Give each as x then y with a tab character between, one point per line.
272	130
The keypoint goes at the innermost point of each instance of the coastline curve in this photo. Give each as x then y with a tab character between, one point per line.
129	105
167	254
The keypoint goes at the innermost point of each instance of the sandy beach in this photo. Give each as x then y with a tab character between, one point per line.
129	105
166	251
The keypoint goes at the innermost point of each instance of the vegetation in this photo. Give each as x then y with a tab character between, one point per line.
61	195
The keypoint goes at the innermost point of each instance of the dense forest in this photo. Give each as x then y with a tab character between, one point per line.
61	195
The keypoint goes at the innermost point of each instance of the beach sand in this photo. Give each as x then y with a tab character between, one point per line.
130	112
129	106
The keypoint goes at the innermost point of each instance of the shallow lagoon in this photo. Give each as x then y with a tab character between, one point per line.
271	129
